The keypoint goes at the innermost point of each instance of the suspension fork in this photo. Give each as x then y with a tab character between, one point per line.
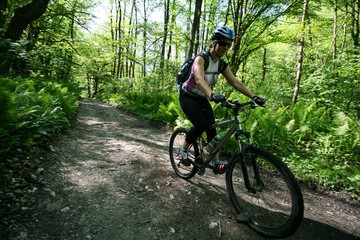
244	150
245	155
244	168
259	183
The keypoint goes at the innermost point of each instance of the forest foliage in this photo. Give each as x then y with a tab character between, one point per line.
34	110
302	56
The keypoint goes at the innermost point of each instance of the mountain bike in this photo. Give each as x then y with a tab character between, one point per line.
262	189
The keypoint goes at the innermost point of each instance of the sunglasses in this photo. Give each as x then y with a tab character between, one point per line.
223	44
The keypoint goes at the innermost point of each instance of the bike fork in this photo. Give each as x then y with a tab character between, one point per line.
246	157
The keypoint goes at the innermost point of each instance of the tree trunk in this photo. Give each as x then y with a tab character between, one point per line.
243	65
88	79
171	32
113	38
237	12
129	61
334	31
165	34
355	22
3	6
333	85
195	27
343	44
245	14
95	86
135	45
23	16
119	49
145	40
301	53
163	46
264	66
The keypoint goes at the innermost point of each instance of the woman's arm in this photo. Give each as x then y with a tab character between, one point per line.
235	83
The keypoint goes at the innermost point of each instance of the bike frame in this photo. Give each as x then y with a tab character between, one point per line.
234	129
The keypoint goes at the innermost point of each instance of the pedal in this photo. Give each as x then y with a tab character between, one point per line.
200	170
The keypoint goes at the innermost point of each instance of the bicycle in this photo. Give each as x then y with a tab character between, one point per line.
262	189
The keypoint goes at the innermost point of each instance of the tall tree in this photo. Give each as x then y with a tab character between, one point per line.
165	33
144	38
119	14
3	6
171	30
301	52
344	27
250	20
355	27
195	28
21	18
264	66
335	30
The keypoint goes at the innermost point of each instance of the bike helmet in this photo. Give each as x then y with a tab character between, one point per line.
222	32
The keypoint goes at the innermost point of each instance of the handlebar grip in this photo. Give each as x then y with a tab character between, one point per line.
238	104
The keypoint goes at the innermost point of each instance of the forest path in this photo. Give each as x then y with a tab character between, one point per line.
110	178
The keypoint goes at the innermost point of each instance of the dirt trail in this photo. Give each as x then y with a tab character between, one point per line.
110	178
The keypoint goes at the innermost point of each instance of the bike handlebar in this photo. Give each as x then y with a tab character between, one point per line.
237	105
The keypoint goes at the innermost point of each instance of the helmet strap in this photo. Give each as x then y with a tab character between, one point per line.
217	54
214	46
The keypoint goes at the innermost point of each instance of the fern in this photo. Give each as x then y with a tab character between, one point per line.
342	122
32	109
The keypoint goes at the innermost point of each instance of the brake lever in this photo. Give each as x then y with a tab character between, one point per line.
255	105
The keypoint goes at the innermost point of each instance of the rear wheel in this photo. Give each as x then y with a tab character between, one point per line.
176	141
270	201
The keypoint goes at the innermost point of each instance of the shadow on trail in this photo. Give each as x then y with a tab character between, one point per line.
309	229
315	230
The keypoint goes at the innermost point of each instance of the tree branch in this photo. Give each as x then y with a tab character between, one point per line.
23	16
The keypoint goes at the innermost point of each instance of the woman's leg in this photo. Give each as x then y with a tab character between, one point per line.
200	114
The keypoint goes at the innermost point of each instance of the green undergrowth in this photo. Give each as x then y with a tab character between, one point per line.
155	106
33	110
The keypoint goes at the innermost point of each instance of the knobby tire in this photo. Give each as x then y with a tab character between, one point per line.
274	206
176	141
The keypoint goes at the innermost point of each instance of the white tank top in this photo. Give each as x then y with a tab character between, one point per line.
211	77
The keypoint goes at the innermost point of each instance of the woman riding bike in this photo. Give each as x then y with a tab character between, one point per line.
196	92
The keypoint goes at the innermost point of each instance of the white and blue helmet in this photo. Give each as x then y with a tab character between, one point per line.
222	32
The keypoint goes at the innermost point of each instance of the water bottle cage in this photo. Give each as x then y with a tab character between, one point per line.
241	134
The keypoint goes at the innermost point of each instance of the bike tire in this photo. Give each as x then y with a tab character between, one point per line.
275	208
176	141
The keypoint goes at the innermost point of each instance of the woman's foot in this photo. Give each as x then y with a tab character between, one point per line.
218	167
183	155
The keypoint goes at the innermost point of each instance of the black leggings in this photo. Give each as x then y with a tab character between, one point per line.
200	113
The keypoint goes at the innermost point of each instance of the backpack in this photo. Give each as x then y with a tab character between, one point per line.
185	69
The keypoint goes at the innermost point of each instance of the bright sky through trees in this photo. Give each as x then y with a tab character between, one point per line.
101	15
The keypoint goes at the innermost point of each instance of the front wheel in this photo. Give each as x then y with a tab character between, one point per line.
265	193
176	141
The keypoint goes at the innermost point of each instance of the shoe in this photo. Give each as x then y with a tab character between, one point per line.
218	168
184	158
